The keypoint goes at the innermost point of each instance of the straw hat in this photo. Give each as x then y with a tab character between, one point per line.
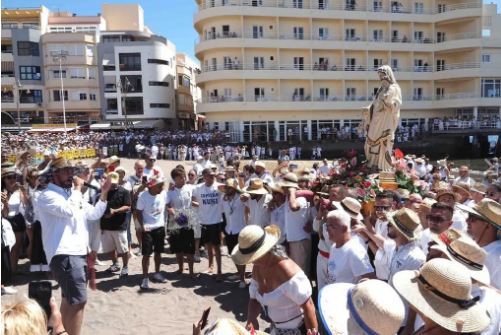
253	243
290	180
60	163
120	169
479	188
114	177
229	168
351	206
276	187
260	164
228	327
444	191
488	210
407	222
403	193
231	183
441	291
462	249
113	159
256	186
462	189
372	305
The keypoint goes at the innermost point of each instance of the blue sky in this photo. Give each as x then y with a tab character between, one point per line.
170	18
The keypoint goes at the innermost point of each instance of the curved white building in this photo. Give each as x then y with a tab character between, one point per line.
275	67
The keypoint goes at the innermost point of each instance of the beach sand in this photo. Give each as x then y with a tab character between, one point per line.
118	306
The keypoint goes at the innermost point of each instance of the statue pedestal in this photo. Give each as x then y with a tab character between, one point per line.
388	181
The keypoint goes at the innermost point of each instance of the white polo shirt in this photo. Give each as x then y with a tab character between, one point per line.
296	221
258	210
234	213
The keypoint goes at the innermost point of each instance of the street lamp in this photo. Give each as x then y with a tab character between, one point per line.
59	56
126	87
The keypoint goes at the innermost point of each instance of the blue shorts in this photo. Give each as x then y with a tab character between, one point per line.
70	273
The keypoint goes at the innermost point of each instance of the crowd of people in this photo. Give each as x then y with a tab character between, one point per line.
417	254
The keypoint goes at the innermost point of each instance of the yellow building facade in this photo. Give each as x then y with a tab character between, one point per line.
275	67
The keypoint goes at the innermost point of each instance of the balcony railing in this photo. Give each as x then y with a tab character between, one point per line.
8	99
334	67
307	97
340	6
328	37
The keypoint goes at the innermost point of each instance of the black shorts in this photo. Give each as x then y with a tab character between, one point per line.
231	242
70	273
18	223
211	234
182	241
153	241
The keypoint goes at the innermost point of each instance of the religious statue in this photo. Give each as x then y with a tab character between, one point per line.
381	121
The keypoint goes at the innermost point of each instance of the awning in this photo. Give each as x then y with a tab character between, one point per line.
149	124
96	126
49	130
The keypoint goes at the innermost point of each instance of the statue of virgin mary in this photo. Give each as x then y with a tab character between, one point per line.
381	121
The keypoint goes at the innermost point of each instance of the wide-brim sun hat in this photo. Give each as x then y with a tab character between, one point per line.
253	243
441	291
461	248
351	206
230	183
256	186
407	222
488	210
289	180
372	306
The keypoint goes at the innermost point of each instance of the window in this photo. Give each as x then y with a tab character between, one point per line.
486	58
418	93
491	88
350	34
184	80
109	68
29	72
418	36
111	106
486	33
323	33
134	105
259	93
130	61
322	4
159	105
298	94
418	7
297	3
298	33
83	96
158	83
377	34
440	36
351	93
377	63
324	93
92	97
440	64
258	63
158	61
56	74
350	64
257	31
7	48
395	36
226	30
132	83
377	6
56	94
439	91
27	49
30	96
299	63
394	64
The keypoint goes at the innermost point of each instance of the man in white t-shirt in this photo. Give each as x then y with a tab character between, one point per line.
326	168
207	199
150	169
464	176
257	199
439	220
234	213
297	219
150	210
348	259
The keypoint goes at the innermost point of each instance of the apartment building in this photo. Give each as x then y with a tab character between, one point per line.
70	54
271	68
188	94
137	69
22	65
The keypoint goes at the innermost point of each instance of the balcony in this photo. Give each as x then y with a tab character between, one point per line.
73	105
317	9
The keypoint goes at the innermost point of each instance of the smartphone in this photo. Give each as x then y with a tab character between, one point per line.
205	318
41	292
99	173
145	179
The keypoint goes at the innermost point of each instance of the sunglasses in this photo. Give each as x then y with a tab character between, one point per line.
382	208
435	218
